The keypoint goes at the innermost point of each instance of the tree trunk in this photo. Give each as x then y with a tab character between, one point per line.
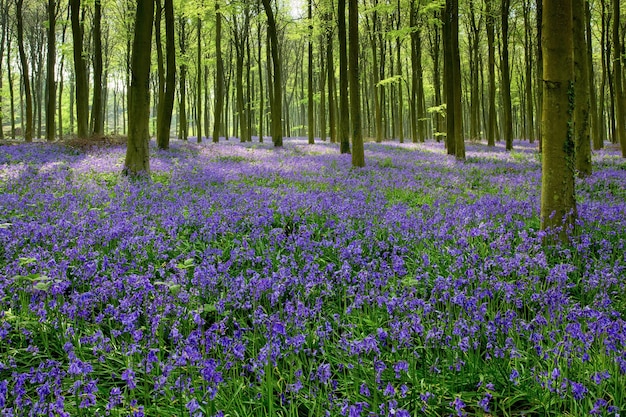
558	203
219	75
277	96
581	91
452	62
182	104
593	102
80	70
137	155
97	112
261	90
28	127
199	82
539	22
322	91
310	119
620	116
50	84
528	86
491	122
506	78
165	111
344	111
358	156
330	67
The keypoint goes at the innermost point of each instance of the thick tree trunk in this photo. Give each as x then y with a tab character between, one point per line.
344	110
97	113
528	81
310	118
80	71
558	203
50	84
137	156
27	130
454	137
581	91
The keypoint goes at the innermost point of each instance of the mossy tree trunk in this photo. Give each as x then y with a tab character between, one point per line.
137	156
558	203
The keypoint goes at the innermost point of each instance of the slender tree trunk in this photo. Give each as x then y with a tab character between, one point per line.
277	96
199	82
528	52
27	130
435	43
50	84
490	24
158	43
182	104
311	120
97	112
474	106
539	23
344	110
558	202
620	117
593	102
506	78
261	89
358	156
219	75
80	70
330	66
581	91
164	120
322	90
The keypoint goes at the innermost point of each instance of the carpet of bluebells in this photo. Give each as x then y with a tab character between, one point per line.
243	280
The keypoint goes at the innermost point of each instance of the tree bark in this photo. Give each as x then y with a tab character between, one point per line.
311	120
528	81
28	127
97	113
620	116
506	78
558	203
80	70
182	104
166	103
452	69
344	110
199	82
581	91
277	96
219	75
330	68
50	84
491	118
137	155
358	156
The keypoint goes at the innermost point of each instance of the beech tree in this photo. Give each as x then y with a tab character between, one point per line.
558	202
358	157
137	155
276	99
80	71
28	127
